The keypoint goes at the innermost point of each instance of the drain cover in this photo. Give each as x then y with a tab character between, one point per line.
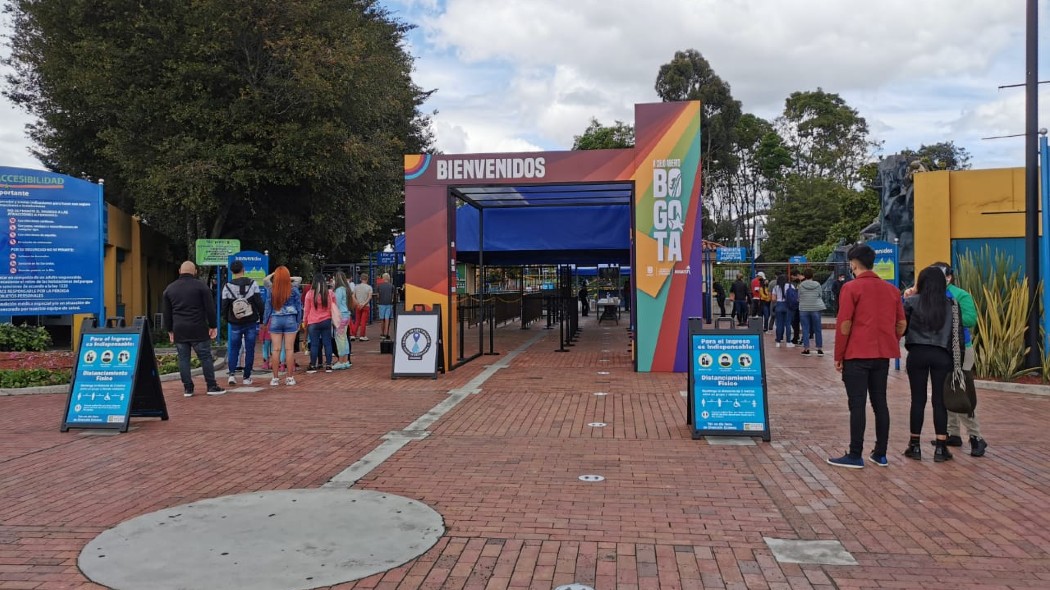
600	393
603	372
574	587
592	478
596	424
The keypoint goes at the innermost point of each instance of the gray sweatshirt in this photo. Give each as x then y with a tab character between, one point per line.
809	296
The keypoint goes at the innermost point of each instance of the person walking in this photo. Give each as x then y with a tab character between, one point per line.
720	298
968	317
242	306
868	329
780	296
189	318
741	295
342	342
320	311
283	314
929	344
810	304
361	301
385	301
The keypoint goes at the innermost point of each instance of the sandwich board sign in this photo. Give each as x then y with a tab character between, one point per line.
418	346
115	378
727	383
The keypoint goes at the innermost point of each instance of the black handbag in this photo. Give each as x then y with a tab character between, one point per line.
960	395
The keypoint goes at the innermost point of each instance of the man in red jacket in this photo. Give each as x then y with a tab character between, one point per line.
868	330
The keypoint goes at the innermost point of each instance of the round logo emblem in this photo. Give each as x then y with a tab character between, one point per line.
415	343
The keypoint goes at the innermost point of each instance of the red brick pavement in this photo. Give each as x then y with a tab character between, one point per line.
502	469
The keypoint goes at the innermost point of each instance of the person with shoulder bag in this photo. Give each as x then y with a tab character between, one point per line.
242	306
928	339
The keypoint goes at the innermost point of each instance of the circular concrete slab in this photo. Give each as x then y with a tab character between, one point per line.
280	540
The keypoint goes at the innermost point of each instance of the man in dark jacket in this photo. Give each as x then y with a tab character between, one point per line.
189	318
741	294
242	306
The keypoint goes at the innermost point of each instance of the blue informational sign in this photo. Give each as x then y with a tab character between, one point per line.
731	254
886	263
256	264
386	258
728	386
797	260
103	379
52	249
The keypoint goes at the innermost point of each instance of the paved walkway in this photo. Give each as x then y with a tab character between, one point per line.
502	468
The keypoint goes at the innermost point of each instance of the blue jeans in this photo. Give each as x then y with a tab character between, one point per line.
320	335
203	350
740	311
783	322
811	321
249	332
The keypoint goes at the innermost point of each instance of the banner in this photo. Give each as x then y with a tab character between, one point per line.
727	384
417	344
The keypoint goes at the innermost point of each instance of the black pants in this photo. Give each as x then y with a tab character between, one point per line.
740	311
796	326
864	379
721	305
925	363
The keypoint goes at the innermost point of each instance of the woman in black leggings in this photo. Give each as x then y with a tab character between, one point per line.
928	340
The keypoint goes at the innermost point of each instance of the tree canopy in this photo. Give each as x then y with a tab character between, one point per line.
282	124
619	135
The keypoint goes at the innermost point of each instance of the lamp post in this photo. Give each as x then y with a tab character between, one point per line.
1032	177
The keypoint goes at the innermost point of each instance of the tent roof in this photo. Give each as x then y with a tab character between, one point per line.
547	195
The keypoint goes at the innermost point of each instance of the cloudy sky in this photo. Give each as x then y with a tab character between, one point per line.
518	75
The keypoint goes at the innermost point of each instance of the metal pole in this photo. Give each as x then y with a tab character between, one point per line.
1032	178
1044	240
218	303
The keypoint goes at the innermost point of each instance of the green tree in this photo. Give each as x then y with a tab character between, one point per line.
826	137
858	208
801	219
688	76
944	155
619	135
282	124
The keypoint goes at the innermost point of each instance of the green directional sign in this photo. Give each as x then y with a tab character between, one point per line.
216	252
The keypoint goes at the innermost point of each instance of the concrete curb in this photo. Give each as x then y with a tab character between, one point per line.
1013	387
219	364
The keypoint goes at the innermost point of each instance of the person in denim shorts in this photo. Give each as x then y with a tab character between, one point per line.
283	314
385	296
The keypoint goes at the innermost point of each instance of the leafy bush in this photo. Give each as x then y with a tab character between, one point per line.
169	363
1000	294
23	338
17	378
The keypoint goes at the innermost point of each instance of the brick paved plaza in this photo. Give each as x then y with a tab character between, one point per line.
502	468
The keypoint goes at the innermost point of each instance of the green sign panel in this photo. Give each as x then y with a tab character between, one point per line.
216	252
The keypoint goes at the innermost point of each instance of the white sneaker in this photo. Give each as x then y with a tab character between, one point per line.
363	338
247	381
790	345
289	380
778	345
232	380
275	382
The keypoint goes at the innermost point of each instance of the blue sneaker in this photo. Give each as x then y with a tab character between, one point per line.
847	461
879	460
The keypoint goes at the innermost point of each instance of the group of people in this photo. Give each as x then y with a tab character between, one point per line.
792	307
871	320
333	312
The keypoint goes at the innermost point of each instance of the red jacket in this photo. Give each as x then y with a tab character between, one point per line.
870	321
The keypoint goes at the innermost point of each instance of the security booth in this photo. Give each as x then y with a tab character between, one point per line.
640	206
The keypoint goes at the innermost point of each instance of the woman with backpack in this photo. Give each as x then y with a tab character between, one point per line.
319	313
781	296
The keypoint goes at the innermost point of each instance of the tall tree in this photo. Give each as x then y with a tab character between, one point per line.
688	76
801	219
279	123
826	137
619	135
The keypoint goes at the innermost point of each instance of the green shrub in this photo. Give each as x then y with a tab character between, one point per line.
23	338
1000	294
17	378
169	363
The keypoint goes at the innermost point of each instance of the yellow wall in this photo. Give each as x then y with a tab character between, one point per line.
145	271
966	204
